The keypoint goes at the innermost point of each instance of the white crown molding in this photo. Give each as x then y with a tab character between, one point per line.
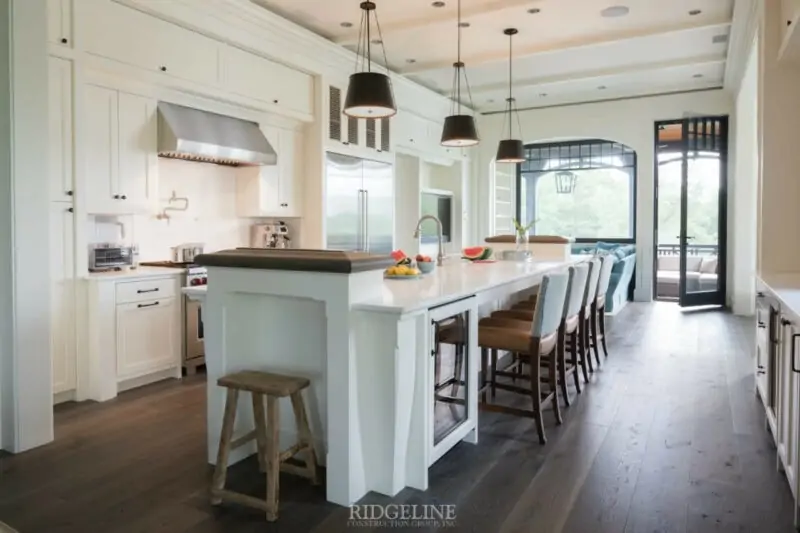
743	32
245	25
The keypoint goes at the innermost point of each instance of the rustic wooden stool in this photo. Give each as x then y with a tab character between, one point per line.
270	457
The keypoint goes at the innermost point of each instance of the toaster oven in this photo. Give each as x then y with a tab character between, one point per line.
107	256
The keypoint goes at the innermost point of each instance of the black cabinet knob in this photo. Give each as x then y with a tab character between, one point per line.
64	40
760	294
69	193
117	197
785	322
274	101
788	22
762	325
70	210
163	69
124	197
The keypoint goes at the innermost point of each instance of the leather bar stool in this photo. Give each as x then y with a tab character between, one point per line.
584	328
266	434
532	341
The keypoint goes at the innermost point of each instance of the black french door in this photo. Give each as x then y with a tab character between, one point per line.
691	210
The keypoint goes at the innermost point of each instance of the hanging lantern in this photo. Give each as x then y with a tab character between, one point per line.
369	94
565	182
459	129
510	150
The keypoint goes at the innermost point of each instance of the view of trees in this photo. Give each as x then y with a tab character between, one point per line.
599	207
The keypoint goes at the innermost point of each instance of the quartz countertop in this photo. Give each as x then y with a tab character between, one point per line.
456	279
785	287
140	272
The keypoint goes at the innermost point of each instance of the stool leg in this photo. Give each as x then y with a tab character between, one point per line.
536	390
553	375
602	321
573	340
260	418
304	434
595	341
582	349
221	469
273	457
494	373
484	370
458	370
562	365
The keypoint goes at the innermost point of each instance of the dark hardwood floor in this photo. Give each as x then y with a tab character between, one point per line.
669	437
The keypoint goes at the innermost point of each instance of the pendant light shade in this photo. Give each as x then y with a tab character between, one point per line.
510	150
369	94
459	129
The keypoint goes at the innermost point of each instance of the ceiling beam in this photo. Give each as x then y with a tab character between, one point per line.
438	16
570	44
600	73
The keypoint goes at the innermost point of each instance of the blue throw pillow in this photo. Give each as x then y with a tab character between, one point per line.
621	253
606	246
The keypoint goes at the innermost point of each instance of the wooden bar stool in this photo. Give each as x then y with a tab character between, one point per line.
531	341
599	306
266	434
584	327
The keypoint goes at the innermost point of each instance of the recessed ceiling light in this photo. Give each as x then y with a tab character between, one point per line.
602	87
697	76
534	10
346	24
615	11
694	12
438	4
464	24
376	41
411	61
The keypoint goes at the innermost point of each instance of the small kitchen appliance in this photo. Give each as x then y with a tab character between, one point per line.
270	236
106	256
186	253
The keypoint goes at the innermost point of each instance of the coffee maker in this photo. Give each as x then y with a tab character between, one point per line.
274	235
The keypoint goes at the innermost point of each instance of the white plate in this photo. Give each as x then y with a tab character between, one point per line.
386	276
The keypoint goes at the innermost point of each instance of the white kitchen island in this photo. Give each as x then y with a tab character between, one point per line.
364	342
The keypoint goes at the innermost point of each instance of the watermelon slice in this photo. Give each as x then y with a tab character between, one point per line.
476	253
400	258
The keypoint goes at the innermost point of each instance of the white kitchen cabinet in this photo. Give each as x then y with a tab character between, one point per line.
59	22
253	76
788	414
121	151
129	36
61	167
274	190
62	298
147	337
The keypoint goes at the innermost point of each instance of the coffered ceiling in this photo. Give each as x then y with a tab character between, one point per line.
566	51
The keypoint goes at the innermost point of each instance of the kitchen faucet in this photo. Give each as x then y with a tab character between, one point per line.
440	255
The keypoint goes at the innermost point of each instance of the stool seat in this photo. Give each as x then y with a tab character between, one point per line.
267	383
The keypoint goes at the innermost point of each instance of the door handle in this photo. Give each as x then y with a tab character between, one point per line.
366	221
361	231
794	343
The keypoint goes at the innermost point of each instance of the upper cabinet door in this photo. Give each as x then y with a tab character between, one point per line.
291	173
59	22
61	136
186	54
138	157
101	152
253	76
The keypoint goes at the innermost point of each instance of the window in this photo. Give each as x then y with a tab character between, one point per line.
583	189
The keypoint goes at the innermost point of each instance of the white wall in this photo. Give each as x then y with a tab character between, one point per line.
743	191
211	218
25	374
628	121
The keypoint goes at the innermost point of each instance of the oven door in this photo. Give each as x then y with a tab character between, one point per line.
194	330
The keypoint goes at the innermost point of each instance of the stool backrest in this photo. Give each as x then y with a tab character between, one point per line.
591	283
577	290
549	304
570	280
605	274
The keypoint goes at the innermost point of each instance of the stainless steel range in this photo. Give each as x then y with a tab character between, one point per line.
193	348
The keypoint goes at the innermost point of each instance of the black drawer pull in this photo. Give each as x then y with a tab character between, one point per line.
145	291
147	305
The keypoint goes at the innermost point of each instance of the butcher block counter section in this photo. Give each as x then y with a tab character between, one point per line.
334	261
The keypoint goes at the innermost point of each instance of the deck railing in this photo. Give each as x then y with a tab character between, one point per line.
691	249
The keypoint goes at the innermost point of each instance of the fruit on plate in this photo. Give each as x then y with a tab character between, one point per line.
402	270
400	258
423	258
477	253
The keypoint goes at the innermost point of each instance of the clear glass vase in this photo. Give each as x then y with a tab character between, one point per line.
522	241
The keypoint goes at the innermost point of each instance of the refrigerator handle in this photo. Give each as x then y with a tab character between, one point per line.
360	239
366	220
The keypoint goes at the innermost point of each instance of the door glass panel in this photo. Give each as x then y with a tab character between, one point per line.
702	220
668	258
450	370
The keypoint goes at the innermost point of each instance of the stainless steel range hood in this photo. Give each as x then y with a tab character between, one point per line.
195	135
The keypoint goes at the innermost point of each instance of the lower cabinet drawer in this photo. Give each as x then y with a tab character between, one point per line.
145	289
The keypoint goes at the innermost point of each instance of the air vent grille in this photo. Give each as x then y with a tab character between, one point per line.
335	113
385	135
371	133
352	131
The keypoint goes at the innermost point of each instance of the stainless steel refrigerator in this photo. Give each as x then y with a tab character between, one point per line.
359	211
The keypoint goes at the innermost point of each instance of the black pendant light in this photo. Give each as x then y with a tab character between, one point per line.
369	94
459	129
565	182
510	150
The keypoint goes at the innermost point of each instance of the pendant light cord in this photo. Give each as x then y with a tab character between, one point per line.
510	78
458	64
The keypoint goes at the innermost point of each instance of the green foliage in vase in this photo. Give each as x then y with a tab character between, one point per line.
523	229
